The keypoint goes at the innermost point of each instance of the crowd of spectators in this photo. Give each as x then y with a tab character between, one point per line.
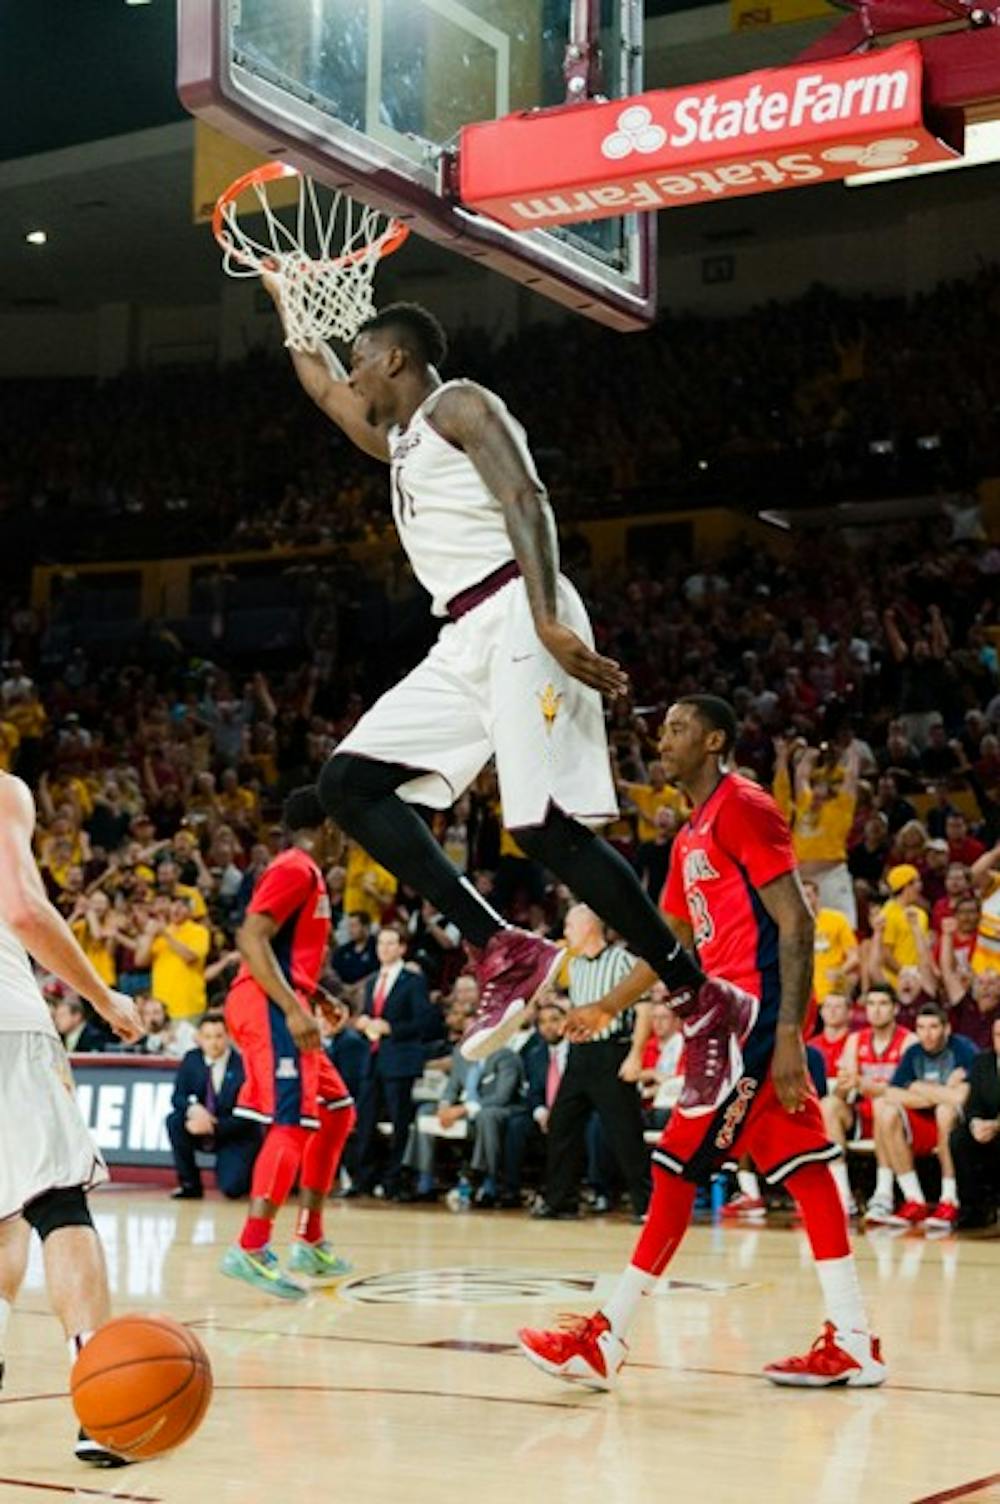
808	401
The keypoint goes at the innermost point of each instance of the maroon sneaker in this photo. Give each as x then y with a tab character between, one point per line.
714	1026
511	972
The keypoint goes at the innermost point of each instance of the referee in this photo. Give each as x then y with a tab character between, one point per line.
600	1073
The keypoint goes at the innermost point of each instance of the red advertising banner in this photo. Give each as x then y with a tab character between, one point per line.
754	133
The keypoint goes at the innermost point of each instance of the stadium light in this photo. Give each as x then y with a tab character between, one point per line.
982	145
36	237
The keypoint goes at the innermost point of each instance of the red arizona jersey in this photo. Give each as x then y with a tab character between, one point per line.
831	1050
873	1066
733	844
292	891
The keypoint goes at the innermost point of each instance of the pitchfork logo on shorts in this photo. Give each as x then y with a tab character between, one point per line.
636	132
893	152
550	700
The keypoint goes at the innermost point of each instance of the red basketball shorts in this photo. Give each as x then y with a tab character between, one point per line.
755	1123
282	1085
921	1130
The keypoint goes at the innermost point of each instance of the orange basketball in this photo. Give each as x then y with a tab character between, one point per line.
141	1385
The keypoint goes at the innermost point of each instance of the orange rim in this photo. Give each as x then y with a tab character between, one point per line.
390	240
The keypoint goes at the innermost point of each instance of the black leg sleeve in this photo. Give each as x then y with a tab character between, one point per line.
603	879
360	794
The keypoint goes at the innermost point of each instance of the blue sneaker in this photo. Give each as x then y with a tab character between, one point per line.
317	1261
260	1269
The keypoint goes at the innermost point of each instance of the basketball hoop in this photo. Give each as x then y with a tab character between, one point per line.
324	255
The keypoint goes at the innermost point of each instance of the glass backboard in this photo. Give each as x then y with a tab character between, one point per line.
371	95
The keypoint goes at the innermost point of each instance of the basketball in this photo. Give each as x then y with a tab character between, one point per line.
141	1385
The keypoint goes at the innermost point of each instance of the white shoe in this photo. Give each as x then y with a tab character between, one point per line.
880	1212
847	1360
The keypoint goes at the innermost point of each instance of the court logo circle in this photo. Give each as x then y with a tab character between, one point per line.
468	1286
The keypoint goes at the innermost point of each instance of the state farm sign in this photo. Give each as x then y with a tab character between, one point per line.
750	134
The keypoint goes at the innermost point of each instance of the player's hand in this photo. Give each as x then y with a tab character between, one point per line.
584	1023
199	1121
272	281
581	662
984	1130
304	1031
788	1070
122	1014
324	1002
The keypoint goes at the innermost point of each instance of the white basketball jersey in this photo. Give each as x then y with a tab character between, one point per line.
23	1010
450	525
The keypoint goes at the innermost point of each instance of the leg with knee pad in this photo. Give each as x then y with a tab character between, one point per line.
64	1207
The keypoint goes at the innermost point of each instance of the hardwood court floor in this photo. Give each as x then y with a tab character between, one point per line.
403	1385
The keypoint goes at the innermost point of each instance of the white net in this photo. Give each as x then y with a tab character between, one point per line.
323	249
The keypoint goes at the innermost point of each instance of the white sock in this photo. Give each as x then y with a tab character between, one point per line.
748	1184
949	1190
4	1318
909	1184
838	1170
621	1306
883	1184
842	1294
77	1343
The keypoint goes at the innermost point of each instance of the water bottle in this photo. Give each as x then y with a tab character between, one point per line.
459	1198
718	1195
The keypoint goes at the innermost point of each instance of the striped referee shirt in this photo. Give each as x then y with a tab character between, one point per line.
592	977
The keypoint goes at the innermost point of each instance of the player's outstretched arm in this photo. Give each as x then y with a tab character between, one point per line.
324	379
41	929
254	941
785	901
466	417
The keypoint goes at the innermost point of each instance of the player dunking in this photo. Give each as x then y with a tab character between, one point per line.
290	1083
734	890
513	675
48	1160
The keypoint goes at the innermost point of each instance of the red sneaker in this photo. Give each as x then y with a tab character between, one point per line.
715	1024
745	1208
910	1214
853	1361
944	1218
581	1349
512	970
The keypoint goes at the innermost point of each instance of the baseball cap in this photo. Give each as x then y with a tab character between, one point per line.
938	844
899	877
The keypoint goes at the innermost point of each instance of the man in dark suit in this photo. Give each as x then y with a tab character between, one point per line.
975	1141
398	1021
543	1059
205	1091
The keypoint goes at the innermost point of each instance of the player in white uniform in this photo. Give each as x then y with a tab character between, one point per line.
48	1160
513	675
